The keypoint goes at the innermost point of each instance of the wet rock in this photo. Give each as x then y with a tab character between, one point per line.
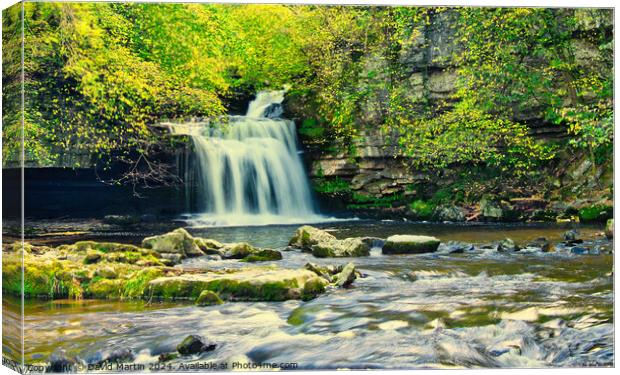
313	288
263	255
208	298
209	246
609	229
571	235
507	245
172	258
579	250
306	236
165	357
60	362
349	247
194	344
122	220
542	243
118	356
455	247
247	284
410	244
324	272
179	241
238	250
346	276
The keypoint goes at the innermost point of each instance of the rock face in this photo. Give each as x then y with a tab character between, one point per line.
380	182
409	244
179	241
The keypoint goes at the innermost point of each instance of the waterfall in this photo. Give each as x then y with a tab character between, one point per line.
249	167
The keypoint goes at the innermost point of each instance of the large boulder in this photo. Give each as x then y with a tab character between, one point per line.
349	247
179	241
410	244
306	236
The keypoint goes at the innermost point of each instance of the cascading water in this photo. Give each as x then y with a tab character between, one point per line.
250	169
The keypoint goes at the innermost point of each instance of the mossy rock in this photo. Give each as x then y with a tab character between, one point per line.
178	241
263	256
208	298
238	250
349	247
93	256
306	236
106	289
313	288
345	277
260	284
409	244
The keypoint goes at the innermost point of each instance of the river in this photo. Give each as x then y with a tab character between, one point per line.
476	309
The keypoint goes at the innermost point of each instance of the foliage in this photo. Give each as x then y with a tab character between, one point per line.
331	186
422	209
362	201
97	75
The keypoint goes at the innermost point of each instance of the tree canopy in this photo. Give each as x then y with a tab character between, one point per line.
98	74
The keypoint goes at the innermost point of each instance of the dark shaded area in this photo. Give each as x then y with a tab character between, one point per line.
77	193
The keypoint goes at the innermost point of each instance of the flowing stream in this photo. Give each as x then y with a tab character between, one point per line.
478	309
249	167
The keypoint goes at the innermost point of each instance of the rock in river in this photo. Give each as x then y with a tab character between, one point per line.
410	244
194	344
349	247
179	241
208	298
306	236
324	245
249	284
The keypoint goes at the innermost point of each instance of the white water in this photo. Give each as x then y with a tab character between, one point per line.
250	169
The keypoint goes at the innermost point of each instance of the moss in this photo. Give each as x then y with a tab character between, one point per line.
312	129
332	186
263	256
596	213
362	201
227	289
313	288
208	298
92	256
421	209
137	284
322	251
105	289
